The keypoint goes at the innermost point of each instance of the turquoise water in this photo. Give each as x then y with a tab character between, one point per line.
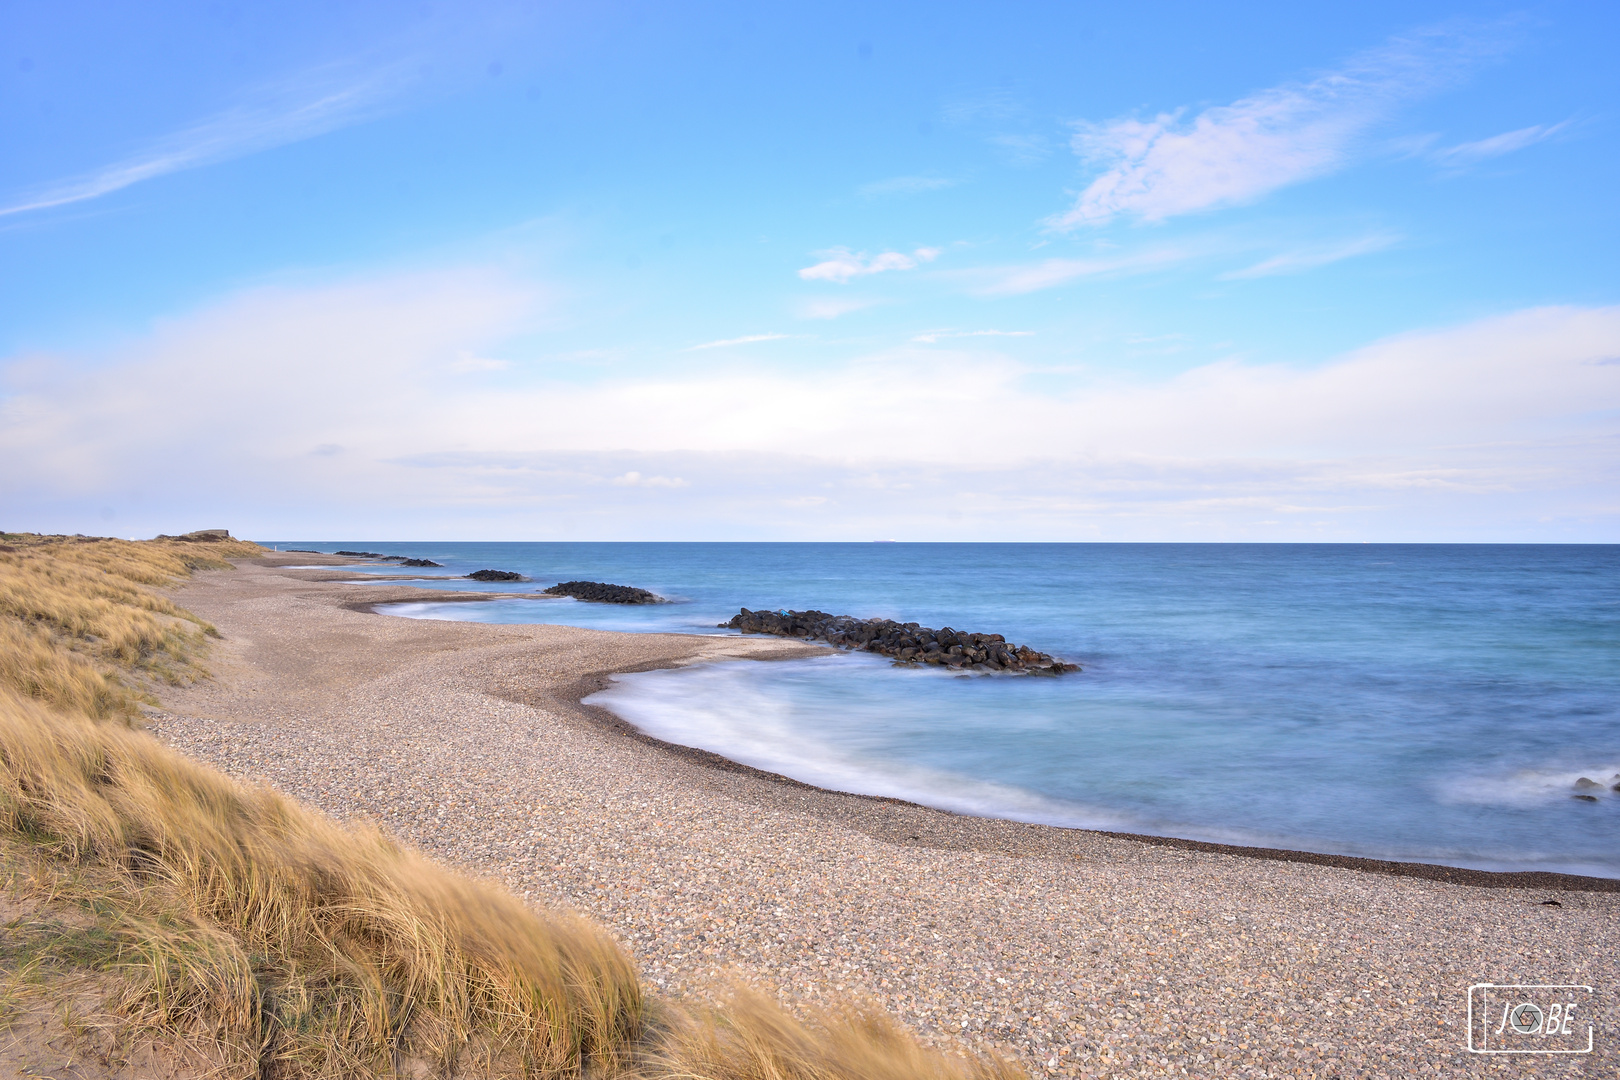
1433	703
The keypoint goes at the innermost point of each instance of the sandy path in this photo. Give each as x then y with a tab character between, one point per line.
1080	953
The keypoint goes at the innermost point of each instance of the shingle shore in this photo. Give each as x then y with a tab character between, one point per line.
1079	953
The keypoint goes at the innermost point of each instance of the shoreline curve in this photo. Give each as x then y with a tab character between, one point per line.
572	700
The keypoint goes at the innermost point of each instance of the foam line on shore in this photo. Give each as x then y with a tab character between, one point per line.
718	709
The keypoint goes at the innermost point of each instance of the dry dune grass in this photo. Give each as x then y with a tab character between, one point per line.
277	943
81	628
295	941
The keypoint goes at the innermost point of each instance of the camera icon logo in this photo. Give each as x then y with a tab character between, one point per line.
1524	1018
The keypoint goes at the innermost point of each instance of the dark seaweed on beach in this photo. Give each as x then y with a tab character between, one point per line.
908	643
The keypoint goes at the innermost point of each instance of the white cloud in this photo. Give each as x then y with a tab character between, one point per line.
1293	262
728	342
931	336
311	104
334	408
905	185
1231	154
842	264
1471	153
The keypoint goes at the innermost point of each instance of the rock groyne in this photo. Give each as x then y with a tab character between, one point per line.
601	592
907	643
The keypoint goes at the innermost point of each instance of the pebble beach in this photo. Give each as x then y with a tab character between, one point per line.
1074	953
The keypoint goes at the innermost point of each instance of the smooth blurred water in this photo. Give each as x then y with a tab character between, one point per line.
1401	701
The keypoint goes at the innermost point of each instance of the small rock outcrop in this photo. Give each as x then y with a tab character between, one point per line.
420	562
360	554
600	592
907	643
496	575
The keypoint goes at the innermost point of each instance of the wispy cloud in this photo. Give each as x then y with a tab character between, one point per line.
997	105
467	362
727	342
1293	262
832	307
1022	149
1230	154
1050	273
312	104
635	479
905	185
843	264
1470	153
931	336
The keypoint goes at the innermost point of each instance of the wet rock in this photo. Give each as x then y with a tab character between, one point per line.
361	554
1583	783
1585	798
908	643
496	575
420	562
600	592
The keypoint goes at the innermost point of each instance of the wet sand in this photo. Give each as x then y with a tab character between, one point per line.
1081	953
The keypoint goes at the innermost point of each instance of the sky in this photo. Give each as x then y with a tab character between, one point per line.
724	271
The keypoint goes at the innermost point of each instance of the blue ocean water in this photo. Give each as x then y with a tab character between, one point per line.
1422	702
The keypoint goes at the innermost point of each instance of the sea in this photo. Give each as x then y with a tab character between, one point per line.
1452	704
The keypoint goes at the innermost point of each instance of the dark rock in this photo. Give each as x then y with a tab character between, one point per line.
360	554
420	562
305	551
496	575
1583	783
600	592
1585	798
908	643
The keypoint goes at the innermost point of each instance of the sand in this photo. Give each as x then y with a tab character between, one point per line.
1077	953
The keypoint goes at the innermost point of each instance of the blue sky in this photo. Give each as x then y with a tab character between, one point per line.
944	271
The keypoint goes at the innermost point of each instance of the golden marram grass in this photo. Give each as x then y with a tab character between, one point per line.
272	941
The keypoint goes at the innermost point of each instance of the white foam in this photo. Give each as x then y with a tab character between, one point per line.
750	712
718	707
1532	787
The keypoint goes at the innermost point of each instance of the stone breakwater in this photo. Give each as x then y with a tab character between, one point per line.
496	575
908	643
601	592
